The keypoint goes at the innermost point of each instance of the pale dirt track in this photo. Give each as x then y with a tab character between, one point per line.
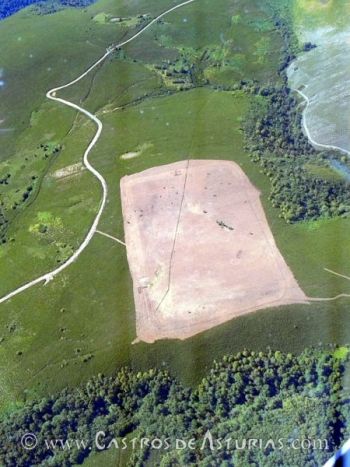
111	237
328	299
52	96
337	274
200	249
308	132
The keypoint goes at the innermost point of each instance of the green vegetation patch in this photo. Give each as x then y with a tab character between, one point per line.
47	224
101	18
248	48
20	180
323	171
341	353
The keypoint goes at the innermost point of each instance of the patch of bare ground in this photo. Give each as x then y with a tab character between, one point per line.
200	249
69	171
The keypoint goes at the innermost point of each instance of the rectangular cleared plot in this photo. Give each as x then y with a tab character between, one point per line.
200	249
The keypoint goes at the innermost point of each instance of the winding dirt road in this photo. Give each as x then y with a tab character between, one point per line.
52	95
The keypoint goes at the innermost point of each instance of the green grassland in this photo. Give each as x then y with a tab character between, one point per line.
311	14
109	458
83	323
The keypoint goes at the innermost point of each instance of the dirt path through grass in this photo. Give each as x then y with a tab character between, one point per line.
52	96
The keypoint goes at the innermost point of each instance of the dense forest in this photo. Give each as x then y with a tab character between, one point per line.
9	7
294	406
275	140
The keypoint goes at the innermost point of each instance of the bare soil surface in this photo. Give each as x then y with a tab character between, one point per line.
69	171
200	249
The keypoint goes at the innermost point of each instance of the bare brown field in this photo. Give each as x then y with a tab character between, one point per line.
200	249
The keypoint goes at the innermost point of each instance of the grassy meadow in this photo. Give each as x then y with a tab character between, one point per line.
83	323
312	14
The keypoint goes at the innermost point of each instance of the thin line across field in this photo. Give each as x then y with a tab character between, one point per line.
111	237
337	274
52	96
330	299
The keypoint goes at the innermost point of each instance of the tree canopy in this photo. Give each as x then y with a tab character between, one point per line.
274	397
